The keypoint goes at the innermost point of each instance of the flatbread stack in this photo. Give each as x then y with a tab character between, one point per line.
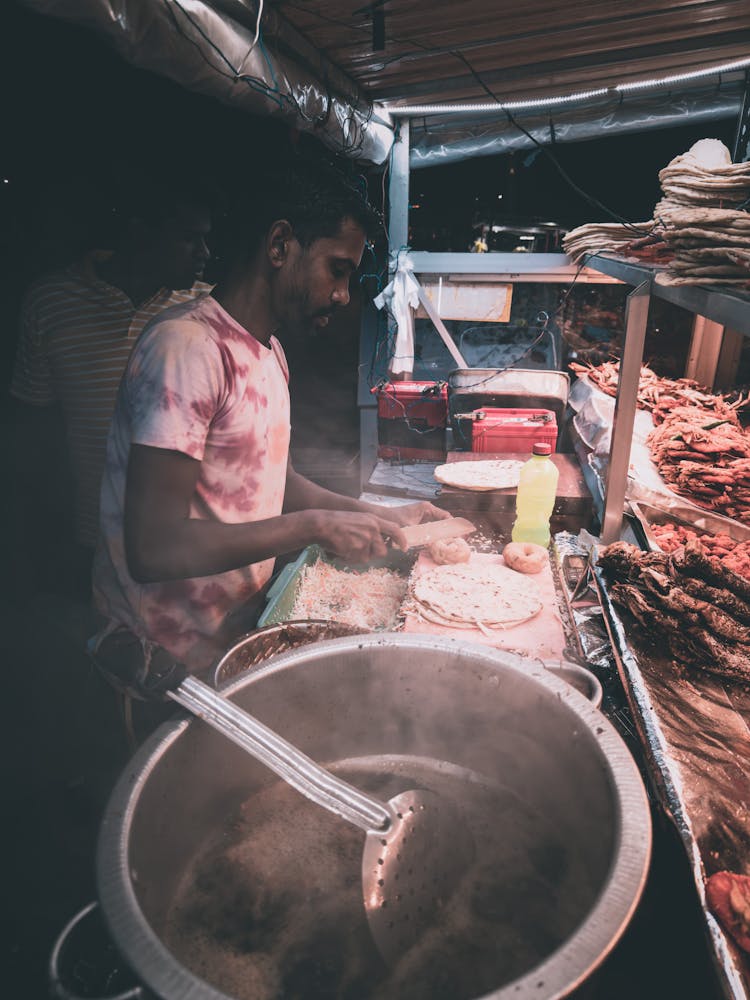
703	218
482	475
604	237
490	597
700	228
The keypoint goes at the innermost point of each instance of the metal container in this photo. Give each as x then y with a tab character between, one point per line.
516	388
580	678
271	640
703	521
471	710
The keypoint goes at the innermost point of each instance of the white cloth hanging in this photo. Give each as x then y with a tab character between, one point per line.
401	297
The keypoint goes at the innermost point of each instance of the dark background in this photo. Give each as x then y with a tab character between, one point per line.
73	114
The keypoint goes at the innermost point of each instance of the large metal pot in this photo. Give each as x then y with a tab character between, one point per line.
484	711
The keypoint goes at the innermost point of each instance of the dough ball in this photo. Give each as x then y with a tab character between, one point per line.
525	557
449	550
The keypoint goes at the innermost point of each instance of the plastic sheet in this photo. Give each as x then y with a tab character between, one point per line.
583	608
448	139
211	52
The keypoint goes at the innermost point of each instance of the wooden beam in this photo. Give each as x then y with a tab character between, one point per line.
705	349
729	359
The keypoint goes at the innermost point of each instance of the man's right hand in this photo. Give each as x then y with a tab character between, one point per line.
358	538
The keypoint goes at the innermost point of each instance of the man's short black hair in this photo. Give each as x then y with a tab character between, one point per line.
314	197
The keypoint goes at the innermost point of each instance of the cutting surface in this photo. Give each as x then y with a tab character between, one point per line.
543	636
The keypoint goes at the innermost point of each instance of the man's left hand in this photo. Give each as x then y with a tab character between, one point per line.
411	513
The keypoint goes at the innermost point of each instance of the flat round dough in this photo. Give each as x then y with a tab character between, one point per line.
497	474
488	596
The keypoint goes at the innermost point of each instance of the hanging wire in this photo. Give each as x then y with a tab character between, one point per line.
257	35
353	130
550	156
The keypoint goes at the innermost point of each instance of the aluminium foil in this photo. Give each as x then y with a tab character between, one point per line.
694	728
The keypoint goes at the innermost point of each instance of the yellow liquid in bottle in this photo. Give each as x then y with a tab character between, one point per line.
535	499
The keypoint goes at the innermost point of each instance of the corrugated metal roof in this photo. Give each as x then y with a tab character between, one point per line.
446	50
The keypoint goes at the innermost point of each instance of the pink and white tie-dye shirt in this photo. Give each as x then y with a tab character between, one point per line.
197	382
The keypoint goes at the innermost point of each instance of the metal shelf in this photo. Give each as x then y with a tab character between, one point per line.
729	308
623	270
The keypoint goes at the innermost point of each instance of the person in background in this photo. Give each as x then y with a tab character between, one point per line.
199	495
78	325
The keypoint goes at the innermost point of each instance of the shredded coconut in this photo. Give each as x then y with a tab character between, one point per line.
370	600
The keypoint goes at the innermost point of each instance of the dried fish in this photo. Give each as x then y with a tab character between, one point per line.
690	599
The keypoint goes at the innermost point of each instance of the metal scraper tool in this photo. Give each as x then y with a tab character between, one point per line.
419	535
417	845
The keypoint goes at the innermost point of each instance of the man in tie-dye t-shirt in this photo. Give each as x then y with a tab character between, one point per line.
199	495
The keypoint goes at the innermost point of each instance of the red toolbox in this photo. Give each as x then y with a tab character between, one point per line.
510	430
412	418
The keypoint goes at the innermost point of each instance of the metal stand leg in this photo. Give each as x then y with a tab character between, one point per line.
636	317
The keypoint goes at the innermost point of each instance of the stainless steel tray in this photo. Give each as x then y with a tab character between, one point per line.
705	521
512	381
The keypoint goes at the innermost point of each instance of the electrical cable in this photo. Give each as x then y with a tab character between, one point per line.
558	166
350	147
425	396
257	36
257	26
571	183
255	83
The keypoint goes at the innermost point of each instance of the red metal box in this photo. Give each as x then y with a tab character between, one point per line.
412	417
511	430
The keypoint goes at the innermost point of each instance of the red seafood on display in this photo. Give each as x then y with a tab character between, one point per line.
728	898
660	395
699	447
706	457
735	555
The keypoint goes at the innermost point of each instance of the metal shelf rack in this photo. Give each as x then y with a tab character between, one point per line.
713	304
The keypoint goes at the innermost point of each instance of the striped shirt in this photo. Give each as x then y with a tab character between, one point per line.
77	332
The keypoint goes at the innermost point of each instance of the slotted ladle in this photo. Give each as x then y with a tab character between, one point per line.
417	846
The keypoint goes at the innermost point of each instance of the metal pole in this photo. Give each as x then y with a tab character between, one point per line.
742	133
398	190
636	317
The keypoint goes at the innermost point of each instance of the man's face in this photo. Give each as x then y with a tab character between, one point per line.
179	252
314	281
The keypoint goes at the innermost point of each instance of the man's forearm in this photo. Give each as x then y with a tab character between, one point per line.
303	494
189	547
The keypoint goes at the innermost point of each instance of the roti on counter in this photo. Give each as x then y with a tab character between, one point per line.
498	474
486	596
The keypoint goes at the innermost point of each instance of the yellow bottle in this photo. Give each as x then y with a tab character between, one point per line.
535	499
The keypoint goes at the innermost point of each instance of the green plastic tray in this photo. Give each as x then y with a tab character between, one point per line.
283	591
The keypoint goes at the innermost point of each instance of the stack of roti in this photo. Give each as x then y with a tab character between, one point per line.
703	216
700	229
610	237
485	596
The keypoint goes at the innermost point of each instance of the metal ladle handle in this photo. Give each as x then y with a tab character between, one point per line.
283	758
